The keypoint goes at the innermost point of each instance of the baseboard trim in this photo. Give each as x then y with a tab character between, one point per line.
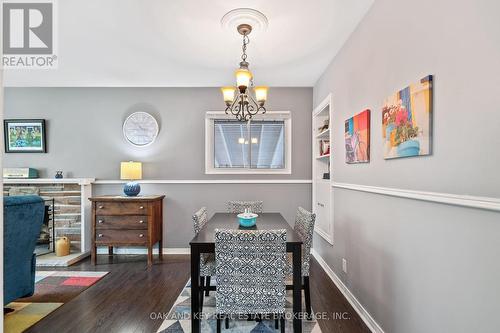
469	201
358	307
138	250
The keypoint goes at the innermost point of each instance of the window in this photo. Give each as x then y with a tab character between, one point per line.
260	146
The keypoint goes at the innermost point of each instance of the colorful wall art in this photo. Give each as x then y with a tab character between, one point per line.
357	138
407	121
24	135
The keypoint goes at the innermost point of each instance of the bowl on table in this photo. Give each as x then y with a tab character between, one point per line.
247	219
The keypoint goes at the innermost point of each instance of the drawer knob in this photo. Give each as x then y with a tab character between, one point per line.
141	207
141	235
100	221
320	204
141	221
100	235
101	207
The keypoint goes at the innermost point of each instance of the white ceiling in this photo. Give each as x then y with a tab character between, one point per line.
181	43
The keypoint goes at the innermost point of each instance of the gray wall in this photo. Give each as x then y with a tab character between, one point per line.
419	266
85	129
85	139
184	199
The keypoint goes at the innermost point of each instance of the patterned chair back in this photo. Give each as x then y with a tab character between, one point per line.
304	226
250	269
237	207
200	218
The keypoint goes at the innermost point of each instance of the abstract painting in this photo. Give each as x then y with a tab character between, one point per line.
357	138
407	121
24	136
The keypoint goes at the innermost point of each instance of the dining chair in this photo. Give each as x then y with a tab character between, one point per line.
304	227
250	268
207	260
237	207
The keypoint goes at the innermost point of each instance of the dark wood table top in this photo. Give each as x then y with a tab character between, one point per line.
265	221
126	198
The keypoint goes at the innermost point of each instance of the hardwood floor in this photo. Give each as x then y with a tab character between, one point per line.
326	297
124	299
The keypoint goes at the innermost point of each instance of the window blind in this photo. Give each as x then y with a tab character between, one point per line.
260	145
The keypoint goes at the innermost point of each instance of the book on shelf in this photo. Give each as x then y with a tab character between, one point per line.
324	147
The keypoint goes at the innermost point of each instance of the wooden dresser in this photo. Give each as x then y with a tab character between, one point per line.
127	221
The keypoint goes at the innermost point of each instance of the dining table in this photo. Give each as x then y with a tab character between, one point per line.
204	242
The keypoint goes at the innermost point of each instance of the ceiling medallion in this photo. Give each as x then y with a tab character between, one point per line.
232	19
239	99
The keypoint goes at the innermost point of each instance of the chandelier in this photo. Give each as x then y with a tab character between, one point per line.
239	100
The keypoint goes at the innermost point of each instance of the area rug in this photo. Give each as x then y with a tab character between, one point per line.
178	319
52	289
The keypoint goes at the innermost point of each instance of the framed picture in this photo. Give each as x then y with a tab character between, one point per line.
407	121
25	136
357	138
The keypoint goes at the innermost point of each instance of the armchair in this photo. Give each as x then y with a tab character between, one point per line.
23	217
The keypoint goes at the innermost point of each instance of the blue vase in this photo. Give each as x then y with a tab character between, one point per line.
132	189
408	148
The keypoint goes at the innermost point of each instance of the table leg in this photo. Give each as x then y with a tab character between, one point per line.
195	290
160	243
93	254
150	254
297	289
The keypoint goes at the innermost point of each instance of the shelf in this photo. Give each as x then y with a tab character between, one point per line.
324	134
325	111
79	181
322	156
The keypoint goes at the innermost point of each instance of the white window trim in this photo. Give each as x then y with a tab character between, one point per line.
269	115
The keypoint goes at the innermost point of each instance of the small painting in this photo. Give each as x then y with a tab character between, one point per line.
407	121
24	135
357	138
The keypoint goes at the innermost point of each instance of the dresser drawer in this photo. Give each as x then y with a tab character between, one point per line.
121	208
121	236
121	222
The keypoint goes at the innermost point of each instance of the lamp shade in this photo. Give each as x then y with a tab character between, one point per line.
228	94
131	170
261	93
243	77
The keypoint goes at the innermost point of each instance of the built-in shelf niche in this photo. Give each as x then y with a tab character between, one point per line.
322	160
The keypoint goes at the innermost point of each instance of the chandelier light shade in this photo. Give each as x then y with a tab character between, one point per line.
243	78
261	94
239	100
228	94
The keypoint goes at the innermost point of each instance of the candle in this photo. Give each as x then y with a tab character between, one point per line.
62	247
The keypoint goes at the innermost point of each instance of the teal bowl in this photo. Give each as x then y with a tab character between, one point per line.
247	220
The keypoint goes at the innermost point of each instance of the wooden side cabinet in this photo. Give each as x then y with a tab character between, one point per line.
127	221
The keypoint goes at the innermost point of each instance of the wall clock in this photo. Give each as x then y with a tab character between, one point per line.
140	129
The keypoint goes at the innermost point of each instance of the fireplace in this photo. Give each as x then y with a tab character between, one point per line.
67	216
46	239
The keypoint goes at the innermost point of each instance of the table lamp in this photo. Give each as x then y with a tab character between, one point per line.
131	171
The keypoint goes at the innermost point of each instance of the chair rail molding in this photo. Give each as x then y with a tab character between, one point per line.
209	181
469	201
